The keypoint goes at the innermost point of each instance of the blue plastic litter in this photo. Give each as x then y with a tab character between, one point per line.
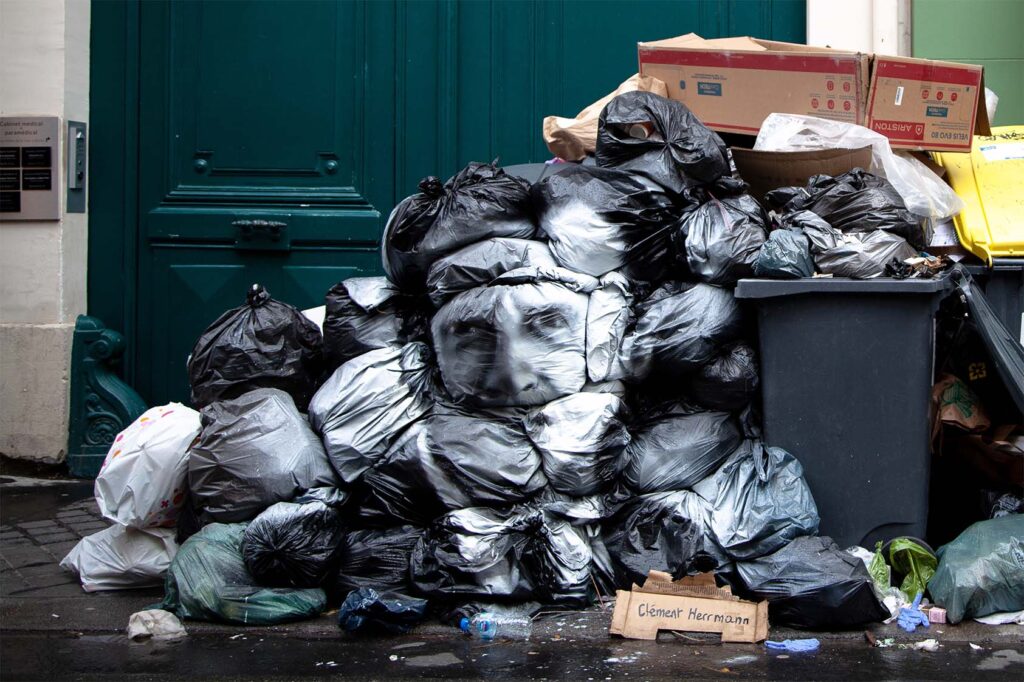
795	646
912	616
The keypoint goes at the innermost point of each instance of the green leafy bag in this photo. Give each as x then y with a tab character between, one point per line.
879	570
915	562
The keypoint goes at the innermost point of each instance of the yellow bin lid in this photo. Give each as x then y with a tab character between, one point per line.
990	180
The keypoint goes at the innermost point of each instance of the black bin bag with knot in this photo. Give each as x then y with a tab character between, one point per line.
811	583
263	344
479	202
293	545
376	558
729	382
660	139
723	238
602	219
519	341
477	553
855	201
679	327
581	438
446	462
365	313
662	532
675	446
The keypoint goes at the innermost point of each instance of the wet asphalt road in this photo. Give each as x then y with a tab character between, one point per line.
58	657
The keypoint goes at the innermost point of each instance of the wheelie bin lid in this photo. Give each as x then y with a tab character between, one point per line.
771	288
989	180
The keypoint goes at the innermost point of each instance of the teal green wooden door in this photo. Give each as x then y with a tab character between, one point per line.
220	124
258	127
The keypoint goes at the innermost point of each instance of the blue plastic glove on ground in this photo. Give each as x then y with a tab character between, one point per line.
912	616
794	645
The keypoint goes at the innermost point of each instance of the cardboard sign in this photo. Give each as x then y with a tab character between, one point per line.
690	605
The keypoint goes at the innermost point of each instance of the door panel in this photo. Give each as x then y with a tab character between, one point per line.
190	286
252	164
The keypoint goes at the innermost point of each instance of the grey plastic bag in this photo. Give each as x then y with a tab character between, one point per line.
663	532
675	446
729	382
609	316
367	402
679	327
519	341
863	256
364	313
600	219
450	461
559	560
759	502
723	238
581	438
982	571
253	451
476	553
786	254
479	264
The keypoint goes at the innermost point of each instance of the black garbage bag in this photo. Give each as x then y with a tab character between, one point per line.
579	511
786	254
980	572
253	451
759	502
729	382
723	238
679	327
659	139
863	256
207	580
262	344
368	401
479	202
855	201
377	558
609	316
675	446
559	560
602	219
368	610
811	583
479	264
446	462
519	341
476	553
365	313
663	532
581	438
293	545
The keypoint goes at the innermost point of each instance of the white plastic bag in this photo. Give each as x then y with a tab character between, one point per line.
925	193
142	482
122	558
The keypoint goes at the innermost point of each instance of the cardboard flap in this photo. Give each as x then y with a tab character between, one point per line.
765	171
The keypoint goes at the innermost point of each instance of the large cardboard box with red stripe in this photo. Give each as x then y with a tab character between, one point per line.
732	84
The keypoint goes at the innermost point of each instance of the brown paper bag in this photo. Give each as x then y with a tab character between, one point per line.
573	138
953	402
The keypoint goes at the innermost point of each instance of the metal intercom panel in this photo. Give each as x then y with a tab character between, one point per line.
29	168
76	167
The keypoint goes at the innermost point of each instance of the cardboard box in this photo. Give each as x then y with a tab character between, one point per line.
732	84
765	171
690	605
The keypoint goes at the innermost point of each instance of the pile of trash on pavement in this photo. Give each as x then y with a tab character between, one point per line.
552	392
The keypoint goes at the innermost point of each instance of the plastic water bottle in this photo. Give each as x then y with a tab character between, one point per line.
488	626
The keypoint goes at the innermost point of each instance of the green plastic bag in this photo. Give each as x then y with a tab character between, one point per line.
879	570
915	562
982	571
208	580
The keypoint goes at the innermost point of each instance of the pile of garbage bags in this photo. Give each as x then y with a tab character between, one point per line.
552	392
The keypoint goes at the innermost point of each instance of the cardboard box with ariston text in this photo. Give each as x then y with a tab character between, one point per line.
733	84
